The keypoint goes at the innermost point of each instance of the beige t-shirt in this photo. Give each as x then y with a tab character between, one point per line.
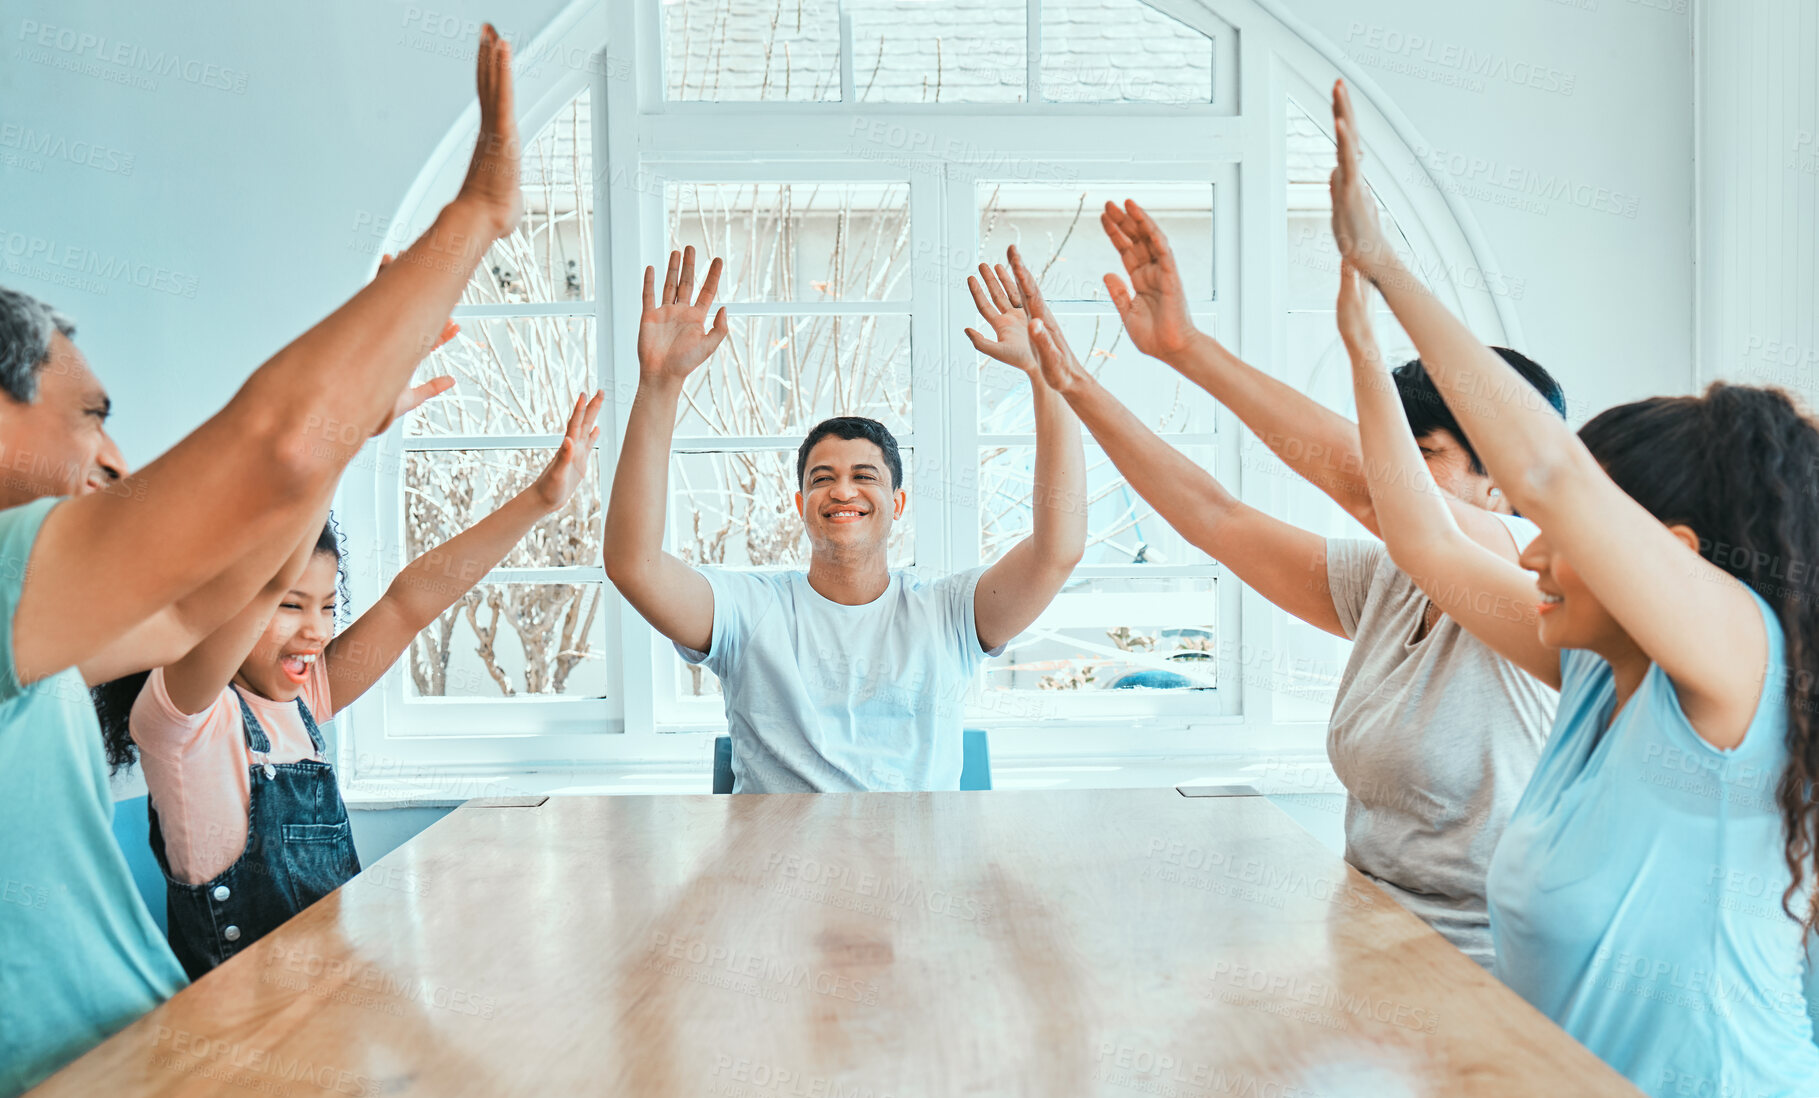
196	765
1434	739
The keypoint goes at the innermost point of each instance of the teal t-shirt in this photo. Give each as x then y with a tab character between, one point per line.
79	954
1635	897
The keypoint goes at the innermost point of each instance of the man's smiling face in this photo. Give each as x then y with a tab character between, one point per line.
846	499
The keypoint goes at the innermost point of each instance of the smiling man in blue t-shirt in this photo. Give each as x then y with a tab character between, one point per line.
849	676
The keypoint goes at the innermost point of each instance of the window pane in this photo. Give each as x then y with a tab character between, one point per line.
939	51
508	639
447	491
733	50
1104	634
1122	51
797	241
781	375
1164	400
550	255
738	510
512	376
1121	528
1057	229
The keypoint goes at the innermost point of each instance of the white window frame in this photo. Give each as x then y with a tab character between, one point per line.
445	743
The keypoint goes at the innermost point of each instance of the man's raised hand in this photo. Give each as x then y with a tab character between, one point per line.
671	340
1154	308
995	294
491	185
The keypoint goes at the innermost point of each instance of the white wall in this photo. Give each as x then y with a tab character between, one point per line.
1759	193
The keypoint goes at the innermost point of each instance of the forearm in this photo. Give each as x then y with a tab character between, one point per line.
337	381
1522	442
1058	492
1413	518
437	579
1319	444
1186	496
635	511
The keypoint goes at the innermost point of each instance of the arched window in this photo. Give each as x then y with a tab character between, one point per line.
853	160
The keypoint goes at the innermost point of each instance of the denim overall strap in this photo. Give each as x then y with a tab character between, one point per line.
299	848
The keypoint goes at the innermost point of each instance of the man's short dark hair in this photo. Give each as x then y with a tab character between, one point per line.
853	427
1427	411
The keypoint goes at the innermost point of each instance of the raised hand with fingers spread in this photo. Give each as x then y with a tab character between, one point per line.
671	339
996	296
1154	307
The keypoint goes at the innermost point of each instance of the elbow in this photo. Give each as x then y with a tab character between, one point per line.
1543	479
300	456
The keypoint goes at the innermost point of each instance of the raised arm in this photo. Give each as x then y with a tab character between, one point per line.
1014	591
1284	563
435	581
1708	637
672	596
175	631
107	562
1484	592
1318	443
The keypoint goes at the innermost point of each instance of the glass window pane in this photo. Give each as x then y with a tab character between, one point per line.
738	510
1121	528
736	50
1057	229
1108	633
509	639
550	255
939	51
1122	51
797	241
516	376
781	375
1165	401
447	491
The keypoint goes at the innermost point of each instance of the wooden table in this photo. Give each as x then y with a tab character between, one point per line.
1111	942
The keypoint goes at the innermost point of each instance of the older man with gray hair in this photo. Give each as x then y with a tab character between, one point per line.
53	422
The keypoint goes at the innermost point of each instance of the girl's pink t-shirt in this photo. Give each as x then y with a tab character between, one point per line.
196	765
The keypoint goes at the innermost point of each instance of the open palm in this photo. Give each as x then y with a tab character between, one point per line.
1154	308
672	335
995	294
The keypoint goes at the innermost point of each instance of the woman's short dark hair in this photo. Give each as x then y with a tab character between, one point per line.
1427	411
851	427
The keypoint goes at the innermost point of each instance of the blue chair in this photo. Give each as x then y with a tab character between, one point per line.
975	762
133	831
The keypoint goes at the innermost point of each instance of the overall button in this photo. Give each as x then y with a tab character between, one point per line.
232	933
220	894
270	771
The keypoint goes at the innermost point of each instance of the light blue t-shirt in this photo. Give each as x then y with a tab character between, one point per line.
79	954
825	697
1636	896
